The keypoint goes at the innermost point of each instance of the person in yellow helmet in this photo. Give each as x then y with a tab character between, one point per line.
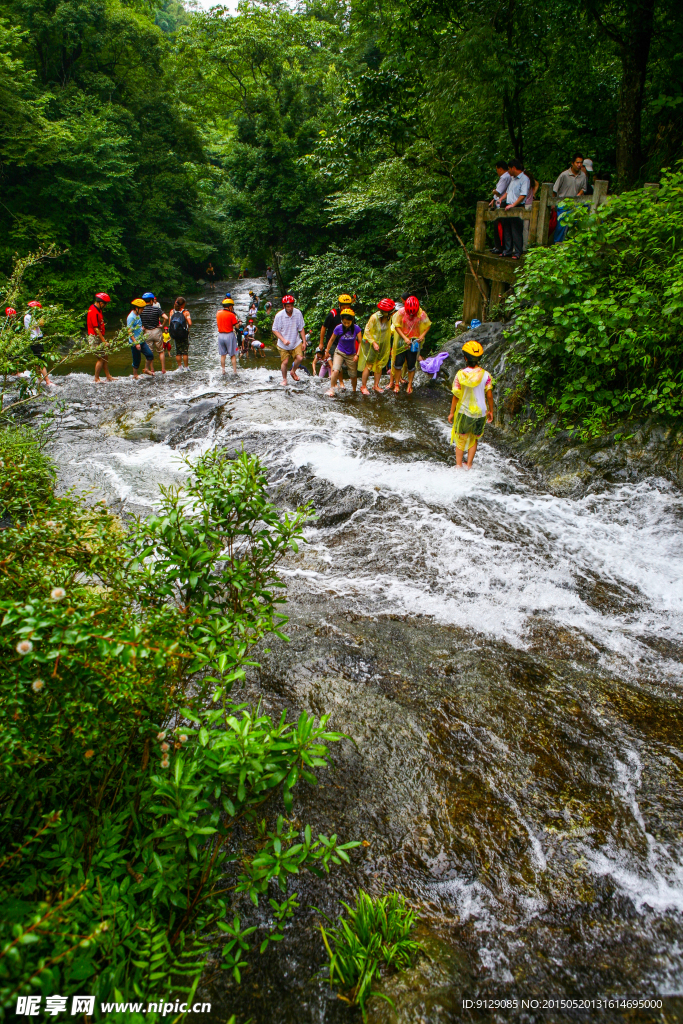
328	342
347	335
472	404
138	345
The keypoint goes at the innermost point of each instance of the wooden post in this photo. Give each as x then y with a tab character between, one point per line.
543	214
651	186
599	194
480	227
533	222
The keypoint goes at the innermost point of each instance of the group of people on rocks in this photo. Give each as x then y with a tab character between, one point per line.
517	187
389	343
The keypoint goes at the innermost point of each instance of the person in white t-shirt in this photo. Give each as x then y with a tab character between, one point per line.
513	230
504	179
288	328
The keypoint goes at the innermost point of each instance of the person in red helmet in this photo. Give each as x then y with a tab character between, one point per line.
375	348
248	336
411	325
95	327
288	328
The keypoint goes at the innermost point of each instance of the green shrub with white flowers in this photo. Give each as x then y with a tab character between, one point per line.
127	770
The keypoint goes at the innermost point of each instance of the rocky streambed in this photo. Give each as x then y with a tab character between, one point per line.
503	651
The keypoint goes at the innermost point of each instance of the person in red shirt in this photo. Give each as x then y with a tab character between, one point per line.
226	322
95	328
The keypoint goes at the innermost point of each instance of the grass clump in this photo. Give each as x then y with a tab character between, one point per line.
374	938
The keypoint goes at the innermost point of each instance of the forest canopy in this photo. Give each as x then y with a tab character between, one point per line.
146	139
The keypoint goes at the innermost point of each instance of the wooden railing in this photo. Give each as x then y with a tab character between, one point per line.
538	214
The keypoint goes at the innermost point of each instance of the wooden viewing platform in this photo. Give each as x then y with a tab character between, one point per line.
489	277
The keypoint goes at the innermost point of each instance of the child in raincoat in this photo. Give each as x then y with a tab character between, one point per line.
472	404
375	348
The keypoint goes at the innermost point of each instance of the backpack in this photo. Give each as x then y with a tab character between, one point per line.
177	327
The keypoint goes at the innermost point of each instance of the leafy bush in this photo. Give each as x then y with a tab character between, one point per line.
126	769
599	326
26	473
375	937
21	368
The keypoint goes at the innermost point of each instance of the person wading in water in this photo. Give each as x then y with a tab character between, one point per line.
411	325
95	328
472	404
375	348
345	335
179	323
288	328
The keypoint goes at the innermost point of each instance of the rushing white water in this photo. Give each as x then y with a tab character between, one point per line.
402	531
485	550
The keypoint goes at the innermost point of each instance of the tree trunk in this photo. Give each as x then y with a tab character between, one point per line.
633	36
635	53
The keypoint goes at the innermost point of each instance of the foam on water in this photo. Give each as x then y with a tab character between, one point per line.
496	580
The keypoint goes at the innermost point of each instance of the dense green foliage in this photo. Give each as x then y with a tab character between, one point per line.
599	319
146	140
373	938
132	786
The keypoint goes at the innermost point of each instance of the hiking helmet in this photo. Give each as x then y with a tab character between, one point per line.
251	320
287	300
386	305
345	300
227	302
139	303
10	312
412	306
35	304
348	312
103	297
473	348
147	295
474	324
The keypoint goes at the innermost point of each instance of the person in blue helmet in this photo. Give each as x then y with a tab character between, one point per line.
152	318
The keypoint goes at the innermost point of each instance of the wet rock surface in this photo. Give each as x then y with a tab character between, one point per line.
477	775
633	450
502	649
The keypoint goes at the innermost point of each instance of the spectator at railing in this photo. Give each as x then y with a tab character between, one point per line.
570	184
517	191
588	170
534	186
504	180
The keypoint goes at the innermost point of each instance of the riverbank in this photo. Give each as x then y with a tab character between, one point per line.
633	450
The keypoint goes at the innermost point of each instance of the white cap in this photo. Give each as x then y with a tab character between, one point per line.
588	164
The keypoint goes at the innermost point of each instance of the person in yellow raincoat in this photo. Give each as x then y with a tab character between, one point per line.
472	404
410	326
374	351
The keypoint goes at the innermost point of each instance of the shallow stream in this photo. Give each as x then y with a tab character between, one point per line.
506	663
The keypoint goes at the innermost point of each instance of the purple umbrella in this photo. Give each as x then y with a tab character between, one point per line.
433	363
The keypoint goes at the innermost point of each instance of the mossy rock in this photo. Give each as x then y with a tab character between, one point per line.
432	990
